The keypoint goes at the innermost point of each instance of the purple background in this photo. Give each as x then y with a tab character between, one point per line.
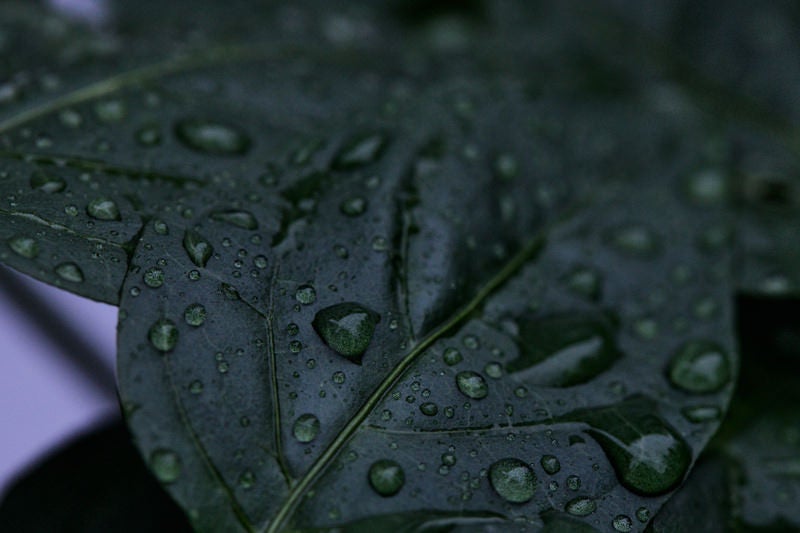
43	400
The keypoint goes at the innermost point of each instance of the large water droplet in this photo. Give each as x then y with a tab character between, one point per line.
70	272
347	328
581	507
472	385
564	350
103	209
24	246
386	477
360	151
46	182
163	335
699	366
649	457
513	480
212	137
240	219
306	428
198	248
166	465
622	523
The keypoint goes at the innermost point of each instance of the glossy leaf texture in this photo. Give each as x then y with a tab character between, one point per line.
383	265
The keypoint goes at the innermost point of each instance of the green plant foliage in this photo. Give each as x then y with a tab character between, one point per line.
457	266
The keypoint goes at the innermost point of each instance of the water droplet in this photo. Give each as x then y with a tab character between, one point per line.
166	465
635	240
429	409
707	187
573	482
585	282
45	182
212	137
24	246
196	387
699	367
520	392
564	350
160	227
493	370
341	251
360	151
701	413
306	428
550	464
148	136
506	167
194	315
198	248
643	514
338	377
386	477
448	459
581	507
103	209
163	335
472	384
622	523
471	342
153	277
240	219
346	328
353	207
649	457
110	110
70	118
451	356
247	480
513	480
305	294
260	261
70	272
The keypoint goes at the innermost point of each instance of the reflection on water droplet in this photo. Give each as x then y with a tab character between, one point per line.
347	328
212	138
360	151
103	209
700	367
305	294
240	219
24	246
622	523
306	428
472	385
550	464
163	335
581	507
194	315
513	480
198	248
70	272
386	477
45	182
166	465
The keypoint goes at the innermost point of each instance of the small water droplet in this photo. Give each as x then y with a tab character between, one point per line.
700	367
493	370
195	314
148	136
585	282
386	477
513	480
160	227
635	240
341	251
46	182
110	110
196	387
472	385
346	328
707	187
338	377
103	209
451	356
550	464
70	272
24	246
573	482
581	507
247	480
643	514
166	465
471	342
448	459
212	137
353	207
306	428
359	151
198	248
240	219
622	523
429	409
70	118
698	414
506	167
153	277
305	294
163	335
